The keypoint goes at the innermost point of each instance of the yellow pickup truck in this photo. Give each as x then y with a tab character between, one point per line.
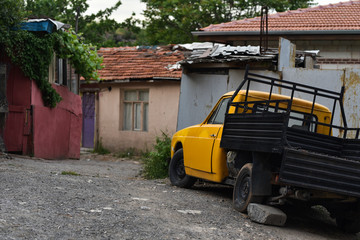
274	148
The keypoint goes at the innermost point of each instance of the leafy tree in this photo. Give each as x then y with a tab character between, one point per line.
171	21
33	51
45	8
96	28
131	33
11	13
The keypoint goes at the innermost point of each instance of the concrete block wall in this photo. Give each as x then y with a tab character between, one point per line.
334	54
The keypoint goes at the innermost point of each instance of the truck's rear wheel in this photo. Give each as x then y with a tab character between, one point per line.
348	225
177	173
347	216
242	194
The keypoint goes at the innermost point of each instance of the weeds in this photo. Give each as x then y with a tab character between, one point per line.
100	149
128	153
70	173
156	163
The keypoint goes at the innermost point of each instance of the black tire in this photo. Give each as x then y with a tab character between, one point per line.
347	215
242	194
348	225
177	173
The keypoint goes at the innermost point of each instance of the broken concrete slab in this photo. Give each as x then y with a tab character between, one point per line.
266	214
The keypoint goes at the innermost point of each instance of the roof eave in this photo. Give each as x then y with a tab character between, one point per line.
307	32
127	80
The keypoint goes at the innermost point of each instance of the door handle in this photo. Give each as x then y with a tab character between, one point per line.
212	135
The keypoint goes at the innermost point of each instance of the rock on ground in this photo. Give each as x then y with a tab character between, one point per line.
266	214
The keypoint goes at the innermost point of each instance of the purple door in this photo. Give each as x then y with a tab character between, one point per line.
88	107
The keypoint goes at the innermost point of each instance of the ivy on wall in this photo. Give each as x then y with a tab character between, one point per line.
82	56
33	51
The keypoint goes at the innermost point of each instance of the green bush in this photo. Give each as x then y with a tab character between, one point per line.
100	149
156	163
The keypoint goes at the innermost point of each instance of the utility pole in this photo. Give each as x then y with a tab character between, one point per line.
264	30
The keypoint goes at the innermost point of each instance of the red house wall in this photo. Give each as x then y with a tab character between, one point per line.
32	128
57	132
17	134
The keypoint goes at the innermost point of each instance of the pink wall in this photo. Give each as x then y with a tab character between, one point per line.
57	132
17	136
163	109
47	133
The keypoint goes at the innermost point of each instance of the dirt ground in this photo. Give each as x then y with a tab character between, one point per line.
102	197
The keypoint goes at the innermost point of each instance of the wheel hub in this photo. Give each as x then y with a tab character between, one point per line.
245	187
180	169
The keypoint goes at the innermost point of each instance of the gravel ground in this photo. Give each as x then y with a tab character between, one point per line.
110	200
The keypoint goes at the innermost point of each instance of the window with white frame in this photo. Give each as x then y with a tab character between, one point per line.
135	110
62	71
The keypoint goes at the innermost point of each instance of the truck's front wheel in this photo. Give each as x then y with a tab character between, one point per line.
242	194
177	173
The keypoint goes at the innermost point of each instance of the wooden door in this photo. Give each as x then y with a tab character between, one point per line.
88	107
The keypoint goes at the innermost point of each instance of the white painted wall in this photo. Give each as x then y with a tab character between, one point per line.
332	48
328	49
199	93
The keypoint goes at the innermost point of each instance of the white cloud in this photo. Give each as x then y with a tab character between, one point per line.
124	11
326	2
129	6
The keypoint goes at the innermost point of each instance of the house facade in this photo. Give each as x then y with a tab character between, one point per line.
333	29
30	127
136	100
206	77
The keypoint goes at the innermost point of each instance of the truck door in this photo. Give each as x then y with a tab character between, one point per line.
201	144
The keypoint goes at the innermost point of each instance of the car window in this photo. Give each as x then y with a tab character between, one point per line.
298	120
303	121
218	115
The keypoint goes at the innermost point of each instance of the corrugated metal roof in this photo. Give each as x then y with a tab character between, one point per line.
220	53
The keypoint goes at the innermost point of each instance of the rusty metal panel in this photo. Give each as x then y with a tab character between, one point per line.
332	80
351	102
325	79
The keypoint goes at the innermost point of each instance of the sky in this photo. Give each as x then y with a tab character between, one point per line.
129	6
125	10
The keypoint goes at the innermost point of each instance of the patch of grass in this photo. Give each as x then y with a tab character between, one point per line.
145	154
156	163
70	173
128	153
100	149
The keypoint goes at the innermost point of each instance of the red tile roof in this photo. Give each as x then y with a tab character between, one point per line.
130	63
339	16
